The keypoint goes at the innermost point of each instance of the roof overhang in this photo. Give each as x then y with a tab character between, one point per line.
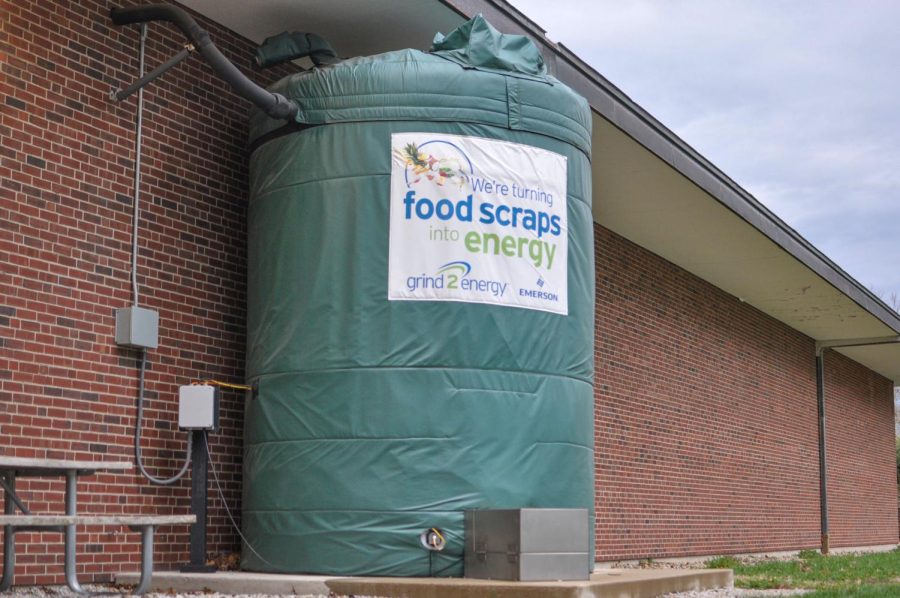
353	27
881	358
649	185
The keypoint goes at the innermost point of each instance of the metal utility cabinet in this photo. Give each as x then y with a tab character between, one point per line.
527	544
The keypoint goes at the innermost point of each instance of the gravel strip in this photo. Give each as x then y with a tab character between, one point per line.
64	592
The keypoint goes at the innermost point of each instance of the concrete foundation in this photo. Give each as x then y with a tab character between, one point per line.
609	583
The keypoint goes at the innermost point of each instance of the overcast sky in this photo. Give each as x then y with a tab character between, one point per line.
799	102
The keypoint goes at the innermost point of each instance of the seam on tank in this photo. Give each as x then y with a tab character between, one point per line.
574	139
262	194
368	61
254	197
394	439
395	511
348	438
362	119
435	58
425	116
492	390
426	367
343	107
579	125
399	94
563	443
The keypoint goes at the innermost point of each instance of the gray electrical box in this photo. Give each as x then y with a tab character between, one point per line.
528	544
198	407
137	327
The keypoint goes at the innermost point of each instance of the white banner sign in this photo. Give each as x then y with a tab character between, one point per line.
479	221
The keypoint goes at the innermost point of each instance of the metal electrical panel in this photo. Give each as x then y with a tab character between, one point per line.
528	544
137	327
198	407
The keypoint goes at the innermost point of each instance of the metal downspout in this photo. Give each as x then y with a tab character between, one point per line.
821	347
823	463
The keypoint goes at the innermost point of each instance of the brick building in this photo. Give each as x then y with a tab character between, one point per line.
710	310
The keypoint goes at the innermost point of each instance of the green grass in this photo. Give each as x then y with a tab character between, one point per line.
868	591
863	576
724	562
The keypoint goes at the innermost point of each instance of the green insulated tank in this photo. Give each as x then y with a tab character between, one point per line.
421	306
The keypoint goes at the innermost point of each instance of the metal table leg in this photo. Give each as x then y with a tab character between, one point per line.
146	559
70	543
9	545
11	495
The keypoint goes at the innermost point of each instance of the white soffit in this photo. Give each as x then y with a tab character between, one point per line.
884	359
353	27
640	197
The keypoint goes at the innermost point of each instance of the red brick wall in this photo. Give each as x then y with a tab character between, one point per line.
66	167
706	423
862	481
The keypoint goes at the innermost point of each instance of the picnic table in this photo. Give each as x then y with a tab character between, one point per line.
12	468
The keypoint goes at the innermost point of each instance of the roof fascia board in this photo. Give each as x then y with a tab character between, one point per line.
612	104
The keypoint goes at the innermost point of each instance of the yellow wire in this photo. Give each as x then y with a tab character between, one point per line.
221	384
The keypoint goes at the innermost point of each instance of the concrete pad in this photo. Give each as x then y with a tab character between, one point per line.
609	583
232	582
614	583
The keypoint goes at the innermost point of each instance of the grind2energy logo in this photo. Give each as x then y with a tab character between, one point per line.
479	221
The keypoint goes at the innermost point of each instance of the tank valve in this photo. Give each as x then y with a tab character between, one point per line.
433	539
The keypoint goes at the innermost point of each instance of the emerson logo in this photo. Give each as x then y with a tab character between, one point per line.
455	276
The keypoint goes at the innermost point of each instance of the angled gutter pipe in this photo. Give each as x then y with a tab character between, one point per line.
821	347
273	104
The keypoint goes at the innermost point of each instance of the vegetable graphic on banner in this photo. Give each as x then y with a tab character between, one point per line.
478	221
433	169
